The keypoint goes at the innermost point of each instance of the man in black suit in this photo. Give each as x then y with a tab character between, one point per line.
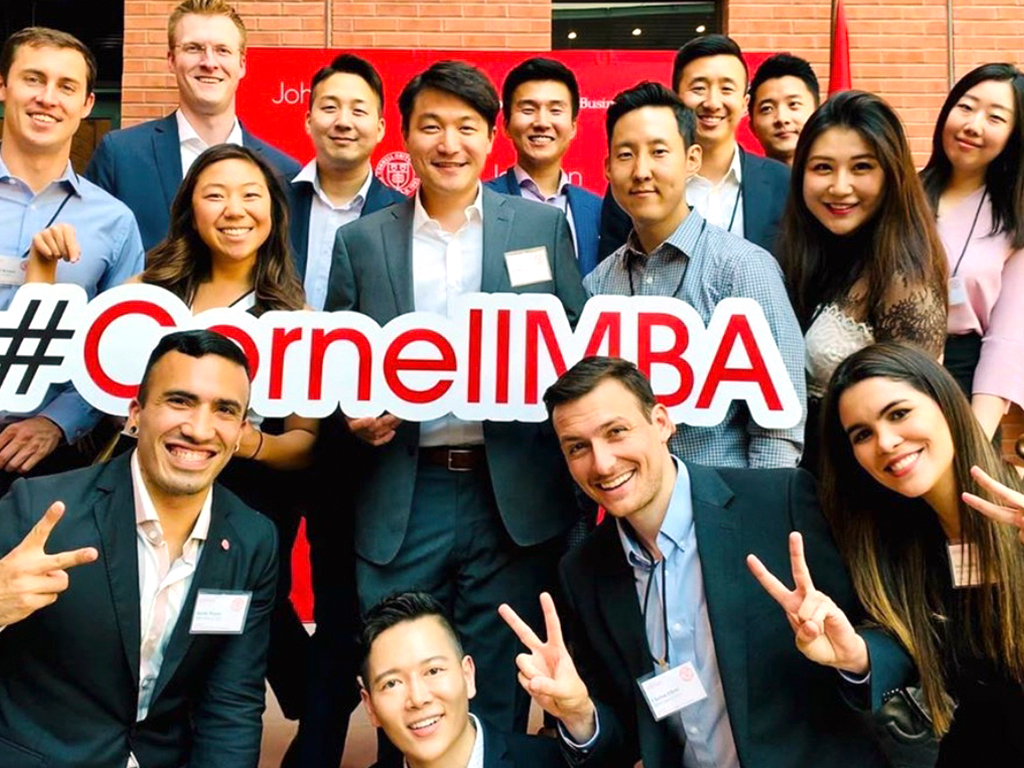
470	511
735	190
143	166
682	660
416	684
153	655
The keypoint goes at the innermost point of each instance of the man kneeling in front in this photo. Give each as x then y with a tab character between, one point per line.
152	651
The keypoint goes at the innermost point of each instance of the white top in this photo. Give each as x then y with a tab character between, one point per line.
324	219
716	202
446	265
192	146
832	337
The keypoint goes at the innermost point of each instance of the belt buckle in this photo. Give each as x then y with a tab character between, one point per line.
458	451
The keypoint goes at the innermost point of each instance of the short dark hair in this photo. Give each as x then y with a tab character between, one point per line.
784	65
702	47
649	94
397	609
538	68
584	377
457	78
196	343
44	37
350	64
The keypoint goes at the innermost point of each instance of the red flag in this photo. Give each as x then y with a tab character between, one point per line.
839	69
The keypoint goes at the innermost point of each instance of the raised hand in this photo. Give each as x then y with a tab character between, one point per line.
548	674
1010	511
30	579
49	246
823	633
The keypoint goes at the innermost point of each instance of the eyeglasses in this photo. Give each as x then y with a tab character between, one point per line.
197	50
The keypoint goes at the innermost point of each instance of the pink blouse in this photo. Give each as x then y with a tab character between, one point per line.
993	276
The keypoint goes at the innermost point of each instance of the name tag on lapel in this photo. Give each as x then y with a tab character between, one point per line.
528	266
220	612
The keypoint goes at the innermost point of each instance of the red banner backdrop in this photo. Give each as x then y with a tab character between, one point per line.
274	96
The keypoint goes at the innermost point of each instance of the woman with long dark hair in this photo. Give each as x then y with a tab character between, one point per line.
859	248
942	585
975	183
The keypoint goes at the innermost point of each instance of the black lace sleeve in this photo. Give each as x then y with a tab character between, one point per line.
916	315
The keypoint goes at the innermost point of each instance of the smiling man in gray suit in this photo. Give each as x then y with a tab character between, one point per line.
471	512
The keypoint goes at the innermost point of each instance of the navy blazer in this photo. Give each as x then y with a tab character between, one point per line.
785	711
69	673
300	202
141	167
765	191
586	217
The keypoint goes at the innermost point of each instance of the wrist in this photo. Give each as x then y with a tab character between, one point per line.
580	725
860	662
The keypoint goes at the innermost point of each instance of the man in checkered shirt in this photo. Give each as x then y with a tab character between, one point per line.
673	251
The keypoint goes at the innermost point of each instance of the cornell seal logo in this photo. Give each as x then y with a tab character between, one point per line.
395	170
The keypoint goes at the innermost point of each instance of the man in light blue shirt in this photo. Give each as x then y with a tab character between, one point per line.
47	90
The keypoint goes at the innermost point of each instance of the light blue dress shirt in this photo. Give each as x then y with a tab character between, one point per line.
111	253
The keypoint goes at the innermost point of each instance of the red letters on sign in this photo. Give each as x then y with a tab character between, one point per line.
738	329
394	364
95	335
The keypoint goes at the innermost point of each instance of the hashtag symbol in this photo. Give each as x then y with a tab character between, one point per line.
38	357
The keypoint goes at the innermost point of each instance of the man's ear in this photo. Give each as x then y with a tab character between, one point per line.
469	674
364	695
694	159
133	415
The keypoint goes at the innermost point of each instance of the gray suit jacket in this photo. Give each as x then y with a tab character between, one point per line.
372	274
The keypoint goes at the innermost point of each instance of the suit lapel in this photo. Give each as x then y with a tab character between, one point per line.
397	236
619	605
722	562
754	195
511	185
303	195
212	572
586	250
498	220
167	151
495	748
374	197
115	518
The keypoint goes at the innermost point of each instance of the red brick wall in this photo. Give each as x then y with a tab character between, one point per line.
148	88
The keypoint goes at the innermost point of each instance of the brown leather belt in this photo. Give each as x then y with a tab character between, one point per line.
455	459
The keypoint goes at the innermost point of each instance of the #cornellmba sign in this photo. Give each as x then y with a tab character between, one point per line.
491	360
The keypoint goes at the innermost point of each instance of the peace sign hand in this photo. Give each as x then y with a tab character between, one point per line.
1010	511
823	633
30	579
548	673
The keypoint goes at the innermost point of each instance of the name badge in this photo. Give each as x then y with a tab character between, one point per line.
964	565
957	291
672	690
220	612
12	270
528	266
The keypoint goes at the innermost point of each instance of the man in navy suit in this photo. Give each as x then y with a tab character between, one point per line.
684	659
152	651
417	684
540	101
735	190
143	166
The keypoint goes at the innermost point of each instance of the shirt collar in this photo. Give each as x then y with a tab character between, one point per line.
145	511
683	240
523	179
420	217
674	528
310	174
186	133
733	175
476	757
69	177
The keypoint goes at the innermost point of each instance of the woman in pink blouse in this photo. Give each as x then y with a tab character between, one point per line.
975	182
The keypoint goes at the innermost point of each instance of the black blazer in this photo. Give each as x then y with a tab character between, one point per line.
765	190
69	673
785	711
141	167
517	750
300	201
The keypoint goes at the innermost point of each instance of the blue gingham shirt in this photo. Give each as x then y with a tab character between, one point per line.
702	264
111	253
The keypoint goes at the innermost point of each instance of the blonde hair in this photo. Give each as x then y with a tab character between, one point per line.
204	8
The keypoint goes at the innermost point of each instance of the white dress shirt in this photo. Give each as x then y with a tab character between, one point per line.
446	265
324	219
192	146
163	585
721	203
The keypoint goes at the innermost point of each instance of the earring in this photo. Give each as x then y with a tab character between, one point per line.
133	429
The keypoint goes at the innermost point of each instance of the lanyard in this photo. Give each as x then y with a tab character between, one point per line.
679	287
663	662
970	234
50	222
735	207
